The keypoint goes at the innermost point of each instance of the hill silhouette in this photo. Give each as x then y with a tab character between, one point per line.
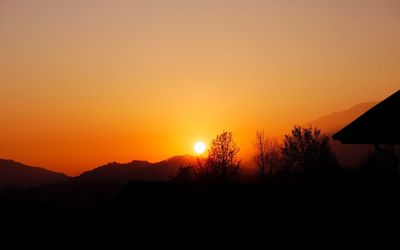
13	173
136	170
349	155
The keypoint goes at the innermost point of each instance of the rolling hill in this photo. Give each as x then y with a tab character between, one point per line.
136	170
13	173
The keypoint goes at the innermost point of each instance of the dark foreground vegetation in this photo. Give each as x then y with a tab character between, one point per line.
189	215
300	197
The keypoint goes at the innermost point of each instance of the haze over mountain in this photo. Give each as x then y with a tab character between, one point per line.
348	155
13	173
333	122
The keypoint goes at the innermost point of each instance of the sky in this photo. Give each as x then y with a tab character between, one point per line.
83	83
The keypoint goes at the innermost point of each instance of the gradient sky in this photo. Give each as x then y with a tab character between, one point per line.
84	82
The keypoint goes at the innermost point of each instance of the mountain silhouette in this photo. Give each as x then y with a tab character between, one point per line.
136	170
348	155
13	173
333	122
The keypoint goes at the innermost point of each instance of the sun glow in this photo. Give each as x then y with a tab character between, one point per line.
200	147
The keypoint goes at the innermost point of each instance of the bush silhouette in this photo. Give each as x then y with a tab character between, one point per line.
380	167
306	151
185	174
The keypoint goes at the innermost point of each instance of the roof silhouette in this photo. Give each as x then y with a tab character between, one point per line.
379	125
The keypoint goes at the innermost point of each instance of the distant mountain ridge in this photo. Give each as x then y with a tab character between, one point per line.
136	170
16	174
13	173
113	171
348	155
337	120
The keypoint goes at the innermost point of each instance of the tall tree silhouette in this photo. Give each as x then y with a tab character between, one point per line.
308	151
267	153
221	163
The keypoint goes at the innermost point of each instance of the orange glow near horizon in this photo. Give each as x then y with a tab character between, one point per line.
83	83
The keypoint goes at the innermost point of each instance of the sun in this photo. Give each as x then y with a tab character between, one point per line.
200	147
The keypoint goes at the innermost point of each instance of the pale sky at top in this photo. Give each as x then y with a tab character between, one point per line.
86	82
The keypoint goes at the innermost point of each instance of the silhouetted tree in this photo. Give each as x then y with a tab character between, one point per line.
306	150
221	163
267	153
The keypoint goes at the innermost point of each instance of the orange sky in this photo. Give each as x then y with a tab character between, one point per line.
84	82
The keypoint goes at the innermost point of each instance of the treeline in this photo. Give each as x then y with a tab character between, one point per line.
304	155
